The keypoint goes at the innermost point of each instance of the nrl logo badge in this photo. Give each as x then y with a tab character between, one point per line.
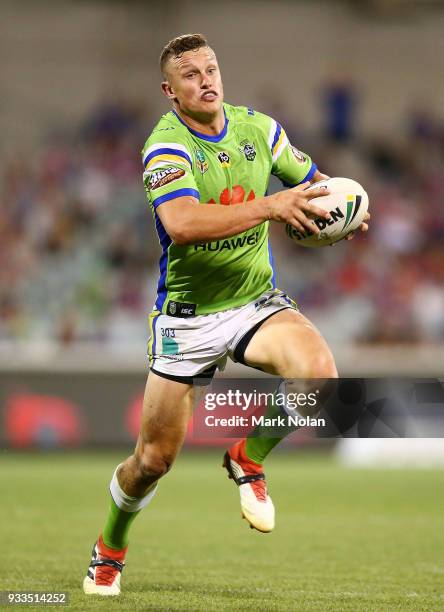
248	150
224	159
172	307
202	164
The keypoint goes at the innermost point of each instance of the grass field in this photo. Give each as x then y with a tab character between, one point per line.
345	539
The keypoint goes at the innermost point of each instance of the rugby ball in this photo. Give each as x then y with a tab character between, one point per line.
347	204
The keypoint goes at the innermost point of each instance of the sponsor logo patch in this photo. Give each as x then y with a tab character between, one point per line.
174	357
229	244
160	178
224	159
181	309
299	156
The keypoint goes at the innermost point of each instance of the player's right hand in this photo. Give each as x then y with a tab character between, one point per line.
294	206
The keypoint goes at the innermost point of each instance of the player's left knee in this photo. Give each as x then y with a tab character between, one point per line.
322	365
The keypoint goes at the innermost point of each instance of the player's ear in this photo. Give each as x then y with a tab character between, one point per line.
168	90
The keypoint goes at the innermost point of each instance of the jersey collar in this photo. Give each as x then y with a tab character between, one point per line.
216	138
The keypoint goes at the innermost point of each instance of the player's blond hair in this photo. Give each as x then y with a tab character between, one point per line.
180	44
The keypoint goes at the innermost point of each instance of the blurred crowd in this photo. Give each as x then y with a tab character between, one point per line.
79	255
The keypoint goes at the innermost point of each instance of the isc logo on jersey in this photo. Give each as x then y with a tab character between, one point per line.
163	177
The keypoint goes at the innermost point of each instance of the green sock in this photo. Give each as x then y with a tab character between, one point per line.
264	438
115	533
258	448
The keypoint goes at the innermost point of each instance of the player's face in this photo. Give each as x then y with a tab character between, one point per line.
194	83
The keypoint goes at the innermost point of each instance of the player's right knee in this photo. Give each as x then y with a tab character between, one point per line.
315	364
153	464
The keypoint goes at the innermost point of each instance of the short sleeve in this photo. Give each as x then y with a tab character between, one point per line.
290	165
168	172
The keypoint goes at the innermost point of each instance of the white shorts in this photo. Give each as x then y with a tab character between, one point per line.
192	348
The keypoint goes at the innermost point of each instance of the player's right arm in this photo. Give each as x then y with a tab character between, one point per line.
187	221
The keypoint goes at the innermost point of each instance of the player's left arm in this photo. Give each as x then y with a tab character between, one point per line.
293	166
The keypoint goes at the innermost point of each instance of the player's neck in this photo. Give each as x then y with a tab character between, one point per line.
211	125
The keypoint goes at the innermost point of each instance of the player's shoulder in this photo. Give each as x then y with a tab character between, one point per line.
249	116
167	133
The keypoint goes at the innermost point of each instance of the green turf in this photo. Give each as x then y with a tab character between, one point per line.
345	539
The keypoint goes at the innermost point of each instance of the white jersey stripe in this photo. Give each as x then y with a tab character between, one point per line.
165	145
281	147
165	162
272	132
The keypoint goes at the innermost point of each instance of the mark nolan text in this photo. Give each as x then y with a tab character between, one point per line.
263	421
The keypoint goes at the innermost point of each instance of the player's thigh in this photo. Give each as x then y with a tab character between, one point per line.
289	345
167	408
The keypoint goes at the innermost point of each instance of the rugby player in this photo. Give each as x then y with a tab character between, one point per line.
207	165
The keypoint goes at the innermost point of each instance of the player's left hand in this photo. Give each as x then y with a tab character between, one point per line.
363	227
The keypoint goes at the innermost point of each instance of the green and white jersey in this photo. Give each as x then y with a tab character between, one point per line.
229	168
